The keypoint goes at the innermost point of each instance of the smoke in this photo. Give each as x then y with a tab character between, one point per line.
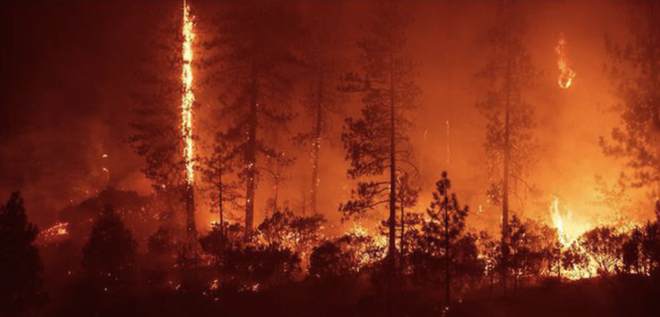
68	73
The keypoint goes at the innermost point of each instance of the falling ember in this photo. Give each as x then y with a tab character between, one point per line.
188	97
566	74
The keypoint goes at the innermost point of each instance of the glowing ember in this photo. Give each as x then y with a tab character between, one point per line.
55	232
566	74
188	97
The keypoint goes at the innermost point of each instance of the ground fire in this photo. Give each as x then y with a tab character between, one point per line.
337	158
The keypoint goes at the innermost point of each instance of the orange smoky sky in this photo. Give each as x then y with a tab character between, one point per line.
68	72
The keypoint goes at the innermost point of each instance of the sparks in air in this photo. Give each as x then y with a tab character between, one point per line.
188	97
566	74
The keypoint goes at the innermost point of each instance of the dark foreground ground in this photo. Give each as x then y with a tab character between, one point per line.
603	297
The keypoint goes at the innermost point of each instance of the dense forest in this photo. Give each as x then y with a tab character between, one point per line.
313	158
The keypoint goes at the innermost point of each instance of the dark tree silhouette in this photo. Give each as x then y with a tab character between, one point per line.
322	68
525	250
443	233
604	245
509	141
376	143
21	282
641	250
257	43
109	255
156	122
635	72
491	253
249	265
286	230
161	242
345	257
217	171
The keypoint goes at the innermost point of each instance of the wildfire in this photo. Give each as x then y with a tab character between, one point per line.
188	97
569	238
566	74
55	232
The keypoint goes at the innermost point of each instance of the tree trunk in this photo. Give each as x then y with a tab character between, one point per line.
447	258
505	176
316	146
191	230
392	225
251	158
403	232
220	198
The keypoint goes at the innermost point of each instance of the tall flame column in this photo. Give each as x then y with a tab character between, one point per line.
187	101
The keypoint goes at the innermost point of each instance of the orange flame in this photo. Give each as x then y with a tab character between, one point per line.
566	74
188	97
569	237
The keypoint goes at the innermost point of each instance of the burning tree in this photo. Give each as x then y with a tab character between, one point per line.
162	123
256	44
376	143
20	282
509	141
636	75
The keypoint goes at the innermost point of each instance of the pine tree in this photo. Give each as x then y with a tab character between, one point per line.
635	73
257	54
321	98
21	280
509	139
445	227
156	124
376	143
109	255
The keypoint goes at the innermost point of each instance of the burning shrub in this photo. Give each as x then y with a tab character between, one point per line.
248	264
345	257
604	245
286	230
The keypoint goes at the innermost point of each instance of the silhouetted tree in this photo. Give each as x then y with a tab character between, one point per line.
376	143
526	253
443	239
109	255
21	282
641	250
490	251
322	66
345	257
161	242
217	171
574	258
635	72
249	265
509	141
155	125
604	246
257	44
286	230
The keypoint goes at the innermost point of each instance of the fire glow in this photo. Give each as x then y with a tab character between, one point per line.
188	97
566	74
